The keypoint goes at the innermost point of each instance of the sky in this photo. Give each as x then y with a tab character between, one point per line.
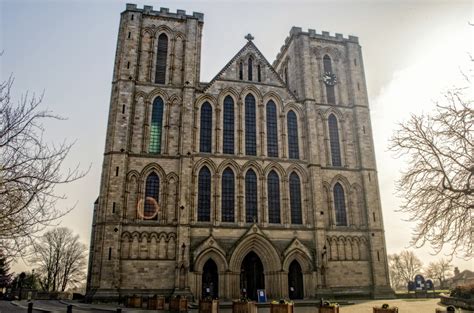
412	50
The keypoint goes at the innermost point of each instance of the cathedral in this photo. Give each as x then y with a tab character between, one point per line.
263	179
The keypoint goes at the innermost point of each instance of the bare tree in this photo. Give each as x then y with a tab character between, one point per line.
438	184
60	259
30	169
404	267
439	270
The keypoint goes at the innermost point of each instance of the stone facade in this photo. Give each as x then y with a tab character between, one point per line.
172	252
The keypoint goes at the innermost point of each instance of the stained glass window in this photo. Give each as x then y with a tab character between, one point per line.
241	71
205	139
273	184
156	126
251	197
228	138
272	130
293	146
295	199
334	140
228	195
340	205
204	195
152	191
250	126
161	55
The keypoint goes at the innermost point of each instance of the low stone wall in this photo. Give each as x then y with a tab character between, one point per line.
466	304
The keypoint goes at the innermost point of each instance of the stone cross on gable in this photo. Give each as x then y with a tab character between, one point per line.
249	37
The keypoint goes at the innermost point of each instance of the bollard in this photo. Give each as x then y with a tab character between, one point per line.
119	310
30	307
69	308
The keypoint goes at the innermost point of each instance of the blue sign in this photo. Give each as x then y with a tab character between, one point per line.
419	282
261	296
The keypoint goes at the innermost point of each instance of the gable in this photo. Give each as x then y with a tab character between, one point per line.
249	53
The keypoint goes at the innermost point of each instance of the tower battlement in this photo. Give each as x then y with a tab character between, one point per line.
164	12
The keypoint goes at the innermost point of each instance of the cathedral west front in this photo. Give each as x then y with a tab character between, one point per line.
263	178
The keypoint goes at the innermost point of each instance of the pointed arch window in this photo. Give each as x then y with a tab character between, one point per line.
156	126
241	70
250	69
228	195
295	199
251	197
330	93
228	125
340	205
250	126
161	56
205	139
272	130
204	195
334	140
293	145
152	191
259	73
273	185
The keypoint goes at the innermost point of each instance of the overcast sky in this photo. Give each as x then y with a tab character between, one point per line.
412	51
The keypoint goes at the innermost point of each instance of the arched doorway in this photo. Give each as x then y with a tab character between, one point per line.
251	275
210	280
295	281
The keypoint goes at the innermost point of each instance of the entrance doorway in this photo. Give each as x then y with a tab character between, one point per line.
251	275
295	281
210	280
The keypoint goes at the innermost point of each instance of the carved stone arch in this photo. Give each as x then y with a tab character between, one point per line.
348	247
252	90
346	185
228	91
135	234
333	248
171	235
179	34
149	30
261	246
300	171
206	98
144	235
153	235
126	236
341	248
204	162
228	163
317	51
157	92
211	253
252	165
163	235
277	167
175	99
153	167
271	95
301	256
166	30
294	107
356	248
141	94
336	112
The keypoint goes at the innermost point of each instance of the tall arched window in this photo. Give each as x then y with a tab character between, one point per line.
161	55
228	195
259	73
250	126
272	130
330	94
251	197
241	70
152	191
228	124
334	140
205	139
295	199
156	126
250	68
204	195
293	146
340	205
273	184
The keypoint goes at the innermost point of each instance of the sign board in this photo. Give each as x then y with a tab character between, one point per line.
261	296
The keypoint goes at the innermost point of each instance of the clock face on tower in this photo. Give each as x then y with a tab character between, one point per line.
329	78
